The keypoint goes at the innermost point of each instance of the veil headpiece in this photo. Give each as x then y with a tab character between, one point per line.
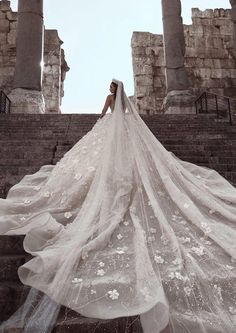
120	95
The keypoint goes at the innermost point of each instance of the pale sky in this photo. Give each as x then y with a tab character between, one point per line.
97	37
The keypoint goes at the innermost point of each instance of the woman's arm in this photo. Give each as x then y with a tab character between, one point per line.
106	106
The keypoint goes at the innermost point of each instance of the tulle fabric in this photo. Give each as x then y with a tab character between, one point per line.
120	226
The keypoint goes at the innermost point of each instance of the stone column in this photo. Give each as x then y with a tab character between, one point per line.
233	4
179	98
27	94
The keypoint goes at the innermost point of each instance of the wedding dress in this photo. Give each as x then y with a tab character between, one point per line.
120	226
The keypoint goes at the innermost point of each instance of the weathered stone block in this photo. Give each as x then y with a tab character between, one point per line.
5	6
12	16
11	37
209	63
3	38
144	80
143	38
226	29
139	51
197	27
158	82
141	69
4	25
210	59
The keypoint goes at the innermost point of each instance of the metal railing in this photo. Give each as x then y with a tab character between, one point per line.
224	107
5	103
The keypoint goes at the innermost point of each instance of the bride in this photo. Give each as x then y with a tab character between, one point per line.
120	226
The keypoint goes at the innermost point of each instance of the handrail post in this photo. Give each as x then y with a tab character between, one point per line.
5	103
1	110
217	107
201	105
206	102
229	109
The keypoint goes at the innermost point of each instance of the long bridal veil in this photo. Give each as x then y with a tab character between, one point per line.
120	227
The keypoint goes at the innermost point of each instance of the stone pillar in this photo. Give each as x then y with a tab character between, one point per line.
27	94
233	4
179	98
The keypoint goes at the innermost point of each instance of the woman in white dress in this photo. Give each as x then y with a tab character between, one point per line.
120	226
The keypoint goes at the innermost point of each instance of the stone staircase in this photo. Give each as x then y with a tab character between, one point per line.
29	141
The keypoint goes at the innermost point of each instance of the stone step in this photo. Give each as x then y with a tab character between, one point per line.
68	320
11	245
12	295
9	264
26	143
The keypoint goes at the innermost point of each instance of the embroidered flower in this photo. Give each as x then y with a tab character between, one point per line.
149	203
176	212
37	188
187	291
198	250
183	222
146	294
162	194
92	291
206	227
126	223
101	264
229	267
218	291
211	211
153	230
198	176
179	276
121	250
172	275
184	240
164	239
77	176
177	261
23	218
27	201
84	255
76	280
100	272
46	194
158	259
67	215
207	242
113	294
232	310
186	205
119	236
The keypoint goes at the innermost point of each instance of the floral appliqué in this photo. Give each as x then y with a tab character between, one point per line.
113	294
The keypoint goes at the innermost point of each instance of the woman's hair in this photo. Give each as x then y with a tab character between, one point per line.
116	86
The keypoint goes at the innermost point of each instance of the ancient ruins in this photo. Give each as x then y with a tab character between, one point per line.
193	59
170	71
33	83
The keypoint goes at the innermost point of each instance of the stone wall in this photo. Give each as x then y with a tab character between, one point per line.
55	66
210	59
